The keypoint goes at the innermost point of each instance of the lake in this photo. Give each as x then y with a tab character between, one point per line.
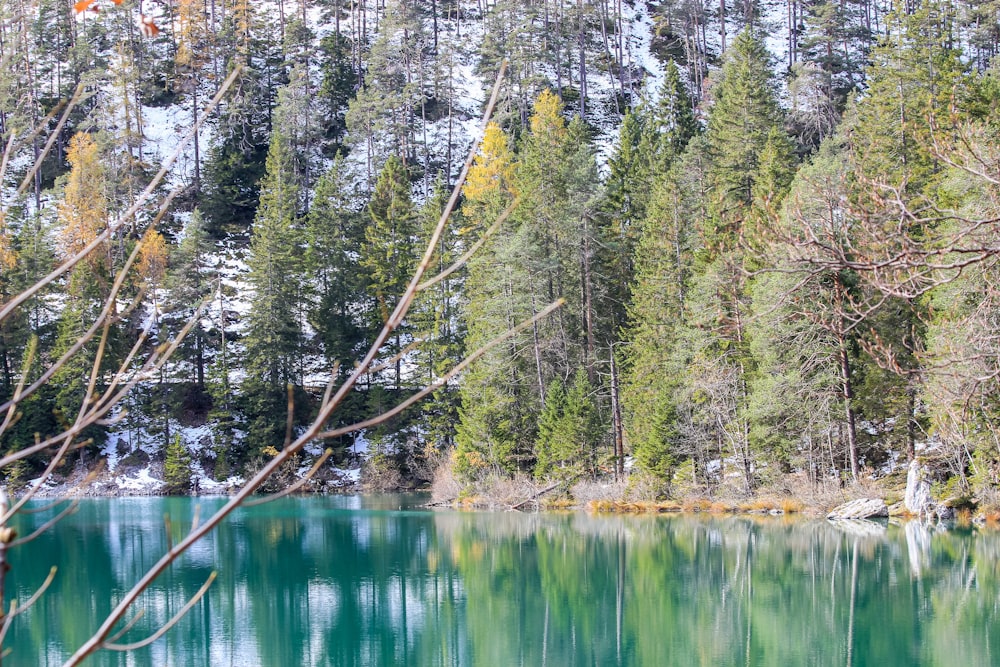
378	581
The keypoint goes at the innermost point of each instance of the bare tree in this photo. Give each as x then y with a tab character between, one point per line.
106	390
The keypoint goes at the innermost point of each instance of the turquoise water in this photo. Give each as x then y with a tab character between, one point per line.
378	581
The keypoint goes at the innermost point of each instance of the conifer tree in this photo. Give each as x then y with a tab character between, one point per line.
177	467
388	253
654	358
335	234
569	430
436	324
493	390
190	281
274	329
668	125
83	214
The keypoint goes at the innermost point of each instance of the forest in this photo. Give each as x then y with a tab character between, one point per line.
771	229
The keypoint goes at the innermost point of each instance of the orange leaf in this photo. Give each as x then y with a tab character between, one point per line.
82	5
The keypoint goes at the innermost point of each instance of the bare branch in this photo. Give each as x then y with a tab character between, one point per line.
97	640
441	381
293	487
461	261
166	626
139	202
15	610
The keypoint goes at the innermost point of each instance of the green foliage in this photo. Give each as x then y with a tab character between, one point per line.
190	281
915	76
744	115
336	87
335	233
231	177
177	467
569	430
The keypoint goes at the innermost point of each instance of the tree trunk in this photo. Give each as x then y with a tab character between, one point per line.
616	420
845	379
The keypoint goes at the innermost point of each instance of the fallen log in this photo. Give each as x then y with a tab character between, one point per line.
547	489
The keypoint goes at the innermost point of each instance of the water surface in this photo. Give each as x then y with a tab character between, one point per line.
377	581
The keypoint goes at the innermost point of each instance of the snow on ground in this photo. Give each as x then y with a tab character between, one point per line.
141	481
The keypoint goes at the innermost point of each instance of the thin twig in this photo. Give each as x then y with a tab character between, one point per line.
71	509
294	487
128	214
15	610
166	626
97	640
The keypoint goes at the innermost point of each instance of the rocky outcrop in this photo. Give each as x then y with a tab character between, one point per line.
918	489
862	508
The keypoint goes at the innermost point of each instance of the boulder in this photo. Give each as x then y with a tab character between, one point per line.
862	508
918	489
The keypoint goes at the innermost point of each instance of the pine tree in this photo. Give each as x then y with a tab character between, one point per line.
190	281
388	253
274	329
668	125
654	361
336	88
335	234
83	215
569	430
435	323
914	77
687	388
493	394
177	467
744	113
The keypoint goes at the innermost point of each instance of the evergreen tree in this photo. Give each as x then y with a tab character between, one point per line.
336	88
177	467
493	390
388	253
743	116
190	281
668	125
335	233
84	215
569	430
435	322
654	359
274	329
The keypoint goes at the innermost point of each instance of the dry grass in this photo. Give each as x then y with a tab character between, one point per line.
633	507
445	487
589	491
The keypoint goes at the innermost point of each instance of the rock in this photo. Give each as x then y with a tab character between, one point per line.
862	508
918	489
944	513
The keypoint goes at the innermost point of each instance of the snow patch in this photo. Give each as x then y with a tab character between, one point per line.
143	482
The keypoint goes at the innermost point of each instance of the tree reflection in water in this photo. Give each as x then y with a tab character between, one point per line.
348	581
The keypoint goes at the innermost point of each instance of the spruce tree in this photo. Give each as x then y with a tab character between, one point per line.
177	467
569	430
274	329
190	281
83	215
388	253
335	234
